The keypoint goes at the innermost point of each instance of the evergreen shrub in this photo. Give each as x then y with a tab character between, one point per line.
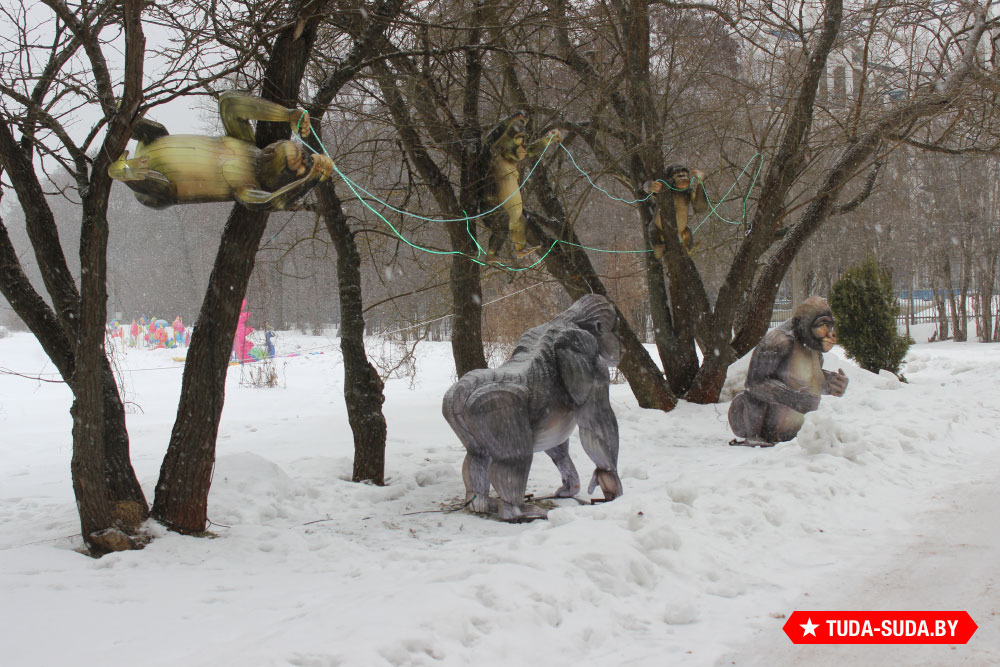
866	309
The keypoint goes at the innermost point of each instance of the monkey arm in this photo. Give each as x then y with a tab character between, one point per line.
586	379
775	391
599	437
535	148
763	380
699	198
281	198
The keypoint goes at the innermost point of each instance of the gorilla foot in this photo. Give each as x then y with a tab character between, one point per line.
750	442
522	514
567	491
483	504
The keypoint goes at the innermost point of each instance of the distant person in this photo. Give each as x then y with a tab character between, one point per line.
269	344
180	335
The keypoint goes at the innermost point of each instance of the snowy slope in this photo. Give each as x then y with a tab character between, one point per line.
699	561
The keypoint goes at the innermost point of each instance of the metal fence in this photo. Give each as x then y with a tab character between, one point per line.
924	311
780	315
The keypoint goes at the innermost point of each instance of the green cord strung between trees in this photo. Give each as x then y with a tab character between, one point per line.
357	190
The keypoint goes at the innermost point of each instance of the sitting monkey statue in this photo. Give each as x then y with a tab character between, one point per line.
186	168
786	377
688	187
506	146
556	379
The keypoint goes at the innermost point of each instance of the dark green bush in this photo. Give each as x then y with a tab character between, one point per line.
865	308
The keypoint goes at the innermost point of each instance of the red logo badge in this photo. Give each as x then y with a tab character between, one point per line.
880	627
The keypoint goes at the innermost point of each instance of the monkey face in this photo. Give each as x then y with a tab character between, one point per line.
679	177
813	324
514	148
824	332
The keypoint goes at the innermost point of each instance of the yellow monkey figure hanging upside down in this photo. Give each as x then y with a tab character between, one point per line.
506	143
186	168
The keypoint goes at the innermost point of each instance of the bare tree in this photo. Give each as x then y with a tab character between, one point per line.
181	501
362	384
631	141
71	331
182	491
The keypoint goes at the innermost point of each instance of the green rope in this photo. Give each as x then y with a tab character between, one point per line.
356	186
357	190
714	207
350	184
596	186
354	189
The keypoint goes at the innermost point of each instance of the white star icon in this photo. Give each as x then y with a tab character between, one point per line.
808	628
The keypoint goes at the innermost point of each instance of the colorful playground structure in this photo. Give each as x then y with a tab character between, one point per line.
152	333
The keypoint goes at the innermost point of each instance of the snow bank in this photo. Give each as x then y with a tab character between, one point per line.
708	545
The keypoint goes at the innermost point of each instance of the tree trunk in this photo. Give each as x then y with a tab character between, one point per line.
76	342
465	284
362	386
123	486
959	335
89	481
942	311
467	300
110	501
181	500
572	268
92	471
672	330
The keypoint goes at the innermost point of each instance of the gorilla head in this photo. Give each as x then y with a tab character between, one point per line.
595	314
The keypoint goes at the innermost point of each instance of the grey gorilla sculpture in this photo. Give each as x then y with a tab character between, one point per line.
786	377
556	379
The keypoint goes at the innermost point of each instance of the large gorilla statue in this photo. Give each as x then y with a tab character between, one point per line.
556	379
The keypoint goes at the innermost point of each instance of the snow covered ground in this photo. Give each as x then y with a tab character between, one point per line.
886	500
